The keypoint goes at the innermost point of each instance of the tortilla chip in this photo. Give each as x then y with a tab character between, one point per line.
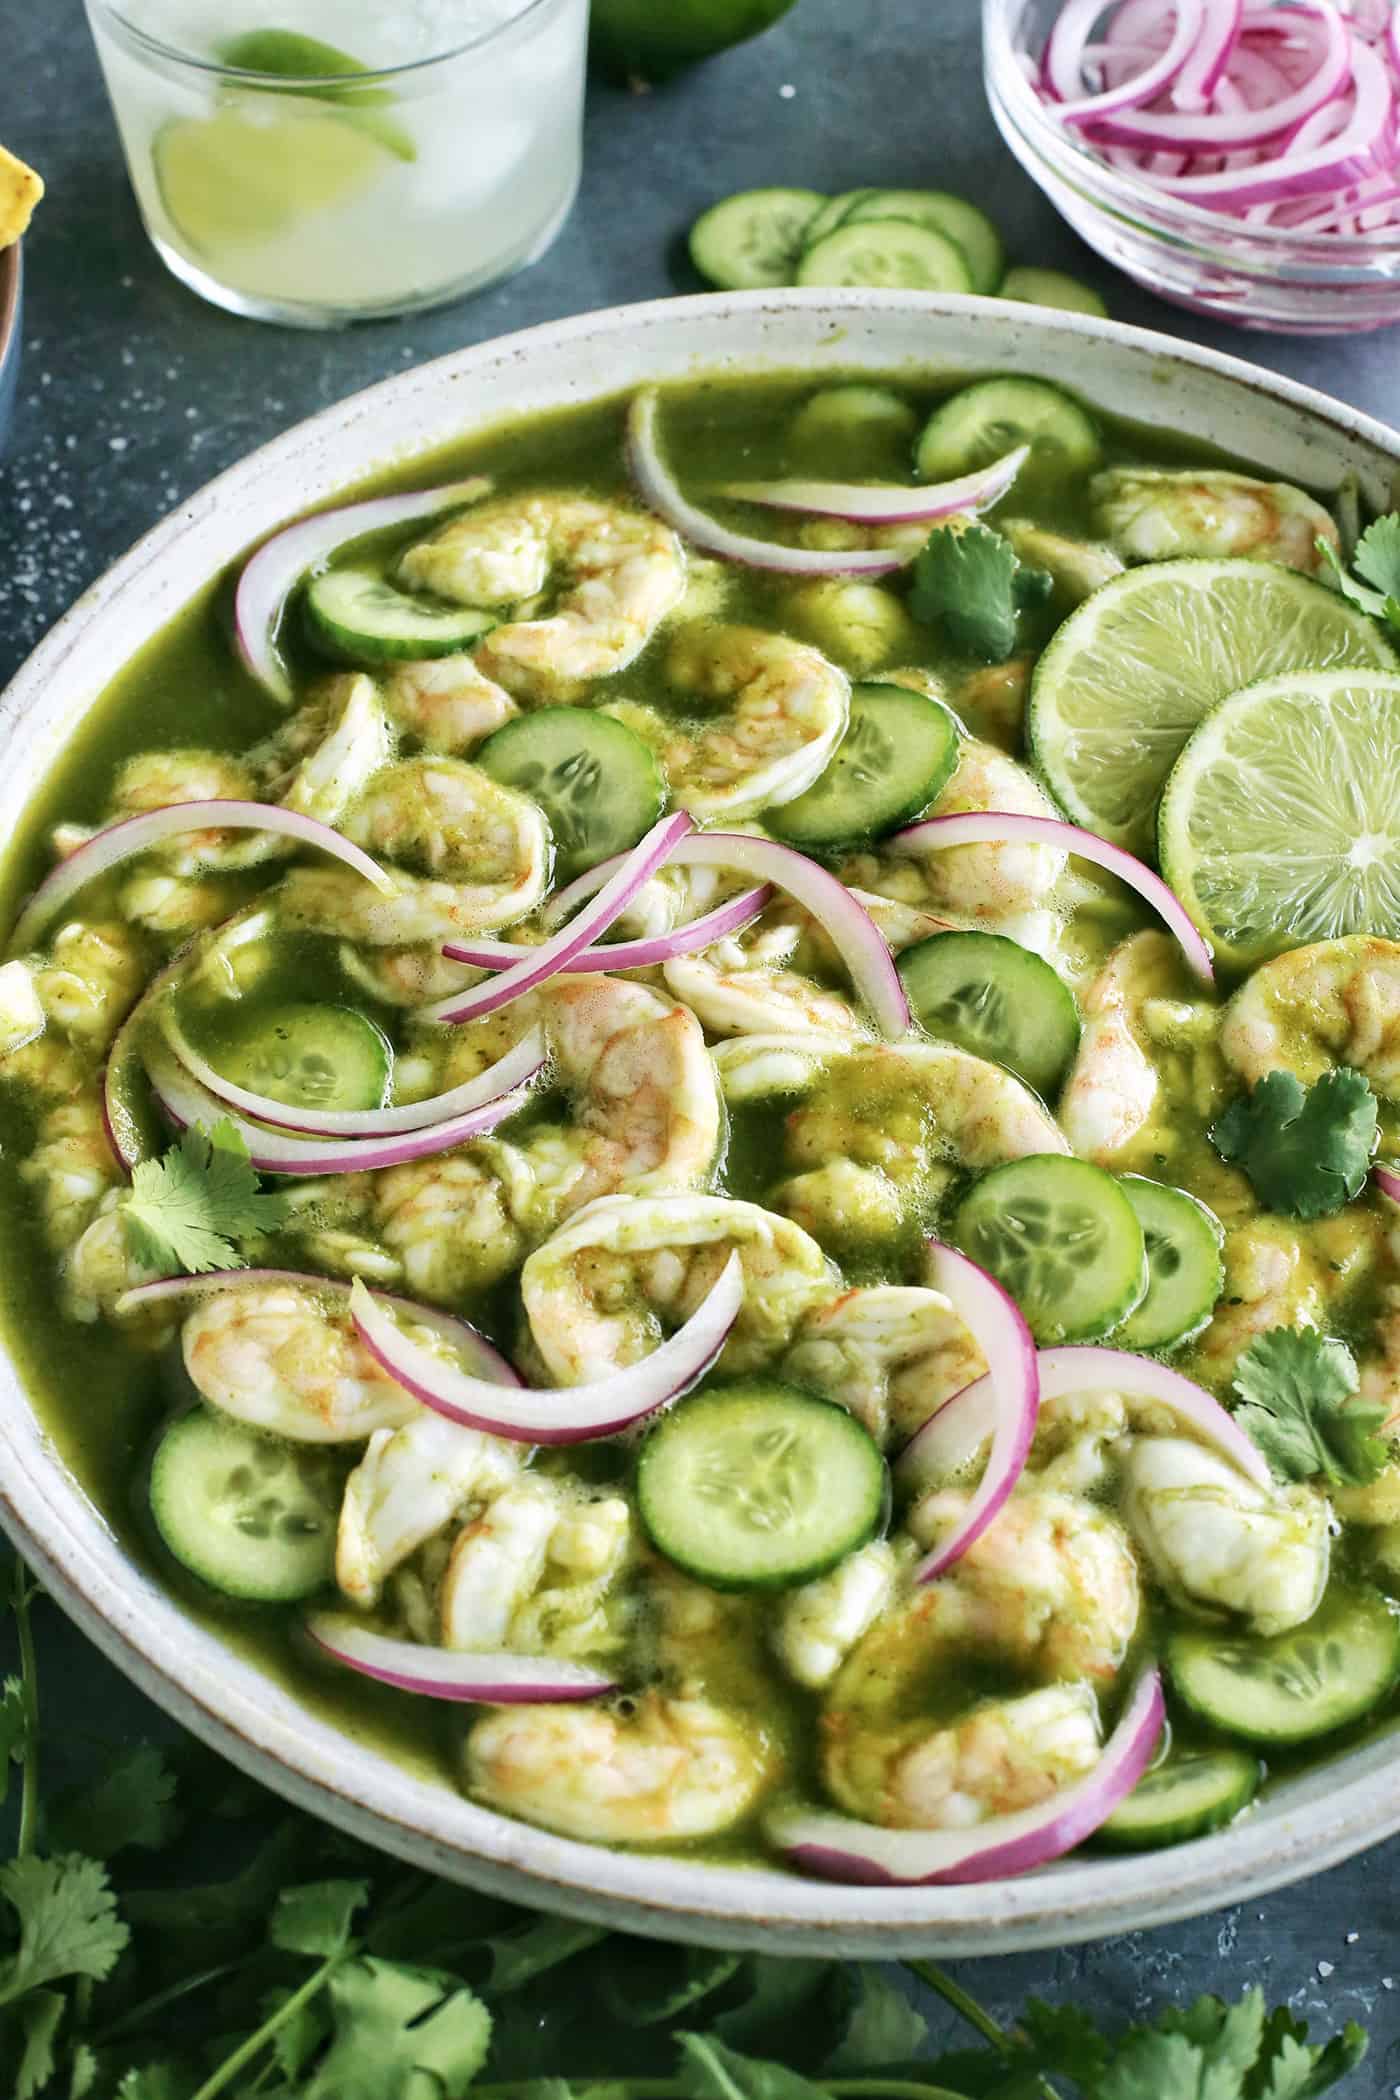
20	191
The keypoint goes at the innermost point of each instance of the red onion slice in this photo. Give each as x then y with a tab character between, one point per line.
1064	61
468	1344
1006	1401
1204	131
661	492
1206	67
271	575
1387	1180
619	888
843	918
839	1848
992	827
641	954
133	835
500	1679
952	1436
185	1102
572	1414
862	504
519	1065
1363	148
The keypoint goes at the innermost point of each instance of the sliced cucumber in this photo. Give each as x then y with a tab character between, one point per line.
962	222
250	1516
991	996
1187	1797
594	778
898	752
847	421
887	252
311	1057
1065	1241
356	616
982	422
753	239
1298	1685
758	1486
1053	288
1185	1274
834	213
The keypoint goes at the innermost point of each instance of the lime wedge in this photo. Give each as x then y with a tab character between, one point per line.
287	55
1134	669
228	180
1280	823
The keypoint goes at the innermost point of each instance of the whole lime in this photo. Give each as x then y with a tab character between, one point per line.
647	39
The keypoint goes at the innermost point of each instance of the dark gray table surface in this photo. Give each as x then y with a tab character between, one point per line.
134	393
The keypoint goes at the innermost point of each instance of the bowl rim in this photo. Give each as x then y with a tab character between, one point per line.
187	1668
1156	211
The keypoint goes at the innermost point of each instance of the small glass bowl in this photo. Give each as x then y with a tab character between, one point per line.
1254	276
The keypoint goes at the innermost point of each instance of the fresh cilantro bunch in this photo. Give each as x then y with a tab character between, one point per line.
191	1211
1297	1393
969	581
1376	563
1306	1149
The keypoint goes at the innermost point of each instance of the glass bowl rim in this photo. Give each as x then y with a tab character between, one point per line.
308	84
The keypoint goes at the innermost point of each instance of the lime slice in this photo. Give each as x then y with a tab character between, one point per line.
1137	666
1280	823
288	55
230	180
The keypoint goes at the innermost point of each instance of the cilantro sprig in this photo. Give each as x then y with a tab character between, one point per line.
1306	1150
969	581
319	1970
1297	1390
1375	584
191	1211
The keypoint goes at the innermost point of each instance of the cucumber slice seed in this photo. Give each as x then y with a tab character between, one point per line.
752	240
759	1486
992	417
594	778
251	1516
887	252
835	212
1053	288
1062	1237
1296	1686
1185	1273
1186	1797
962	222
356	615
897	754
328	1057
991	996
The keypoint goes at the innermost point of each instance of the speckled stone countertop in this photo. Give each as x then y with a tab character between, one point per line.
134	393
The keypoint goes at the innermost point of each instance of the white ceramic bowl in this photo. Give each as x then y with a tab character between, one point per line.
1307	1823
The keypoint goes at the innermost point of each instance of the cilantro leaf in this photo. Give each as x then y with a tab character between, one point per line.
1065	2040
188	1211
316	1919
646	1981
779	1998
882	2027
132	1803
969	580
517	1958
1296	1390
1377	562
1290	2068
82	2072
41	2014
1307	1150
710	2071
393	2027
68	1923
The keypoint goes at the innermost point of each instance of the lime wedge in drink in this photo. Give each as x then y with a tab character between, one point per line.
287	55
1134	669
1280	822
228	180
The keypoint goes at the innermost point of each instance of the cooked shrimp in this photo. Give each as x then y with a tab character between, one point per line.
982	884
993	699
1279	1276
1334	1003
22	1017
1078	567
759	1067
1112	1085
456	1223
662	1770
409	1486
646	1106
1215	1539
533	1573
447	702
816	1626
407	977
625	572
101	1267
173	907
473	856
71	1168
858	625
280	1357
753	1000
789	712
90	980
1156	514
605	1288
892	1354
330	749
155	779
